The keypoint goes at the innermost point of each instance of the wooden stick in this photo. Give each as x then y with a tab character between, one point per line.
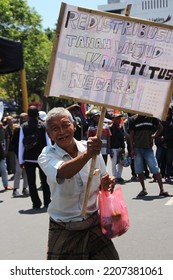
128	9
24	90
93	162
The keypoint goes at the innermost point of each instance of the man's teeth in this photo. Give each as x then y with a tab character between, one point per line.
63	138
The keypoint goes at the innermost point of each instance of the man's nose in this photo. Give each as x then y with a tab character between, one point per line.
61	129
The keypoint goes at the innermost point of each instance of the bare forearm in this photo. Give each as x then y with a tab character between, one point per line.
70	168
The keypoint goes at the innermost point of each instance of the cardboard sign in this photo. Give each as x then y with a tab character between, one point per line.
112	60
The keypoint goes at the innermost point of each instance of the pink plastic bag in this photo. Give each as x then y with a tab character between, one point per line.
113	212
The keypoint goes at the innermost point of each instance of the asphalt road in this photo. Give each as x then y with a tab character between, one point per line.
23	234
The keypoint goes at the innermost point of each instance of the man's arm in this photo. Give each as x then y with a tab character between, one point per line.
158	131
132	143
70	168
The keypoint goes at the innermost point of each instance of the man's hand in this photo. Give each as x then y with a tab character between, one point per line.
22	166
108	182
94	145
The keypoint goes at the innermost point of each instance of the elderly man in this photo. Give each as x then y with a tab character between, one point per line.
67	165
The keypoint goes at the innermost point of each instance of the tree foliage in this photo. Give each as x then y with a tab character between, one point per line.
20	22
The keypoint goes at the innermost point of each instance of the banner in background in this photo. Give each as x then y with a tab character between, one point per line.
11	56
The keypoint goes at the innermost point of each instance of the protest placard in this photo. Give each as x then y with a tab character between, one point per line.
112	60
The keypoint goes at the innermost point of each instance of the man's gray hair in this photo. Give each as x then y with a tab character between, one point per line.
58	112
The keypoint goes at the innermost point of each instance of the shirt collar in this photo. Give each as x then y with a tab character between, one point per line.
80	147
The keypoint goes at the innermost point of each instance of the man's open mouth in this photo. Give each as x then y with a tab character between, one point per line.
63	138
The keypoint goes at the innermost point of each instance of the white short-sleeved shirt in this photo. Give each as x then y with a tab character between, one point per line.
67	195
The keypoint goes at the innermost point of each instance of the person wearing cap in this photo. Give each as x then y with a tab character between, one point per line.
117	146
105	136
42	116
80	120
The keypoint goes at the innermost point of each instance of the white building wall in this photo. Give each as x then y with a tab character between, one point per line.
156	10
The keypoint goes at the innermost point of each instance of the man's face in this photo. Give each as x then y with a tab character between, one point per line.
61	131
75	112
24	119
96	119
9	120
117	120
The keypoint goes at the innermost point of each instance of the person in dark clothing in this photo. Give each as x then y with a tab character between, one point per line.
80	121
127	139
105	135
32	139
10	157
161	151
168	138
143	130
117	146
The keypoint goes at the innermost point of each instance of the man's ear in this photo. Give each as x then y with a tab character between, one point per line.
74	123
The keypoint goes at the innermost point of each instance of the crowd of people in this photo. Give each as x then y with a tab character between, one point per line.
61	144
117	141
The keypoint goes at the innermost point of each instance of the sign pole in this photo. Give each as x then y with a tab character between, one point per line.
93	162
99	132
128	9
24	90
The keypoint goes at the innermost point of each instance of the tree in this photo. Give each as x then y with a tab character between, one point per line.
20	22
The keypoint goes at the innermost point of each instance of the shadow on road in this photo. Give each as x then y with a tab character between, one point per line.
149	197
33	211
